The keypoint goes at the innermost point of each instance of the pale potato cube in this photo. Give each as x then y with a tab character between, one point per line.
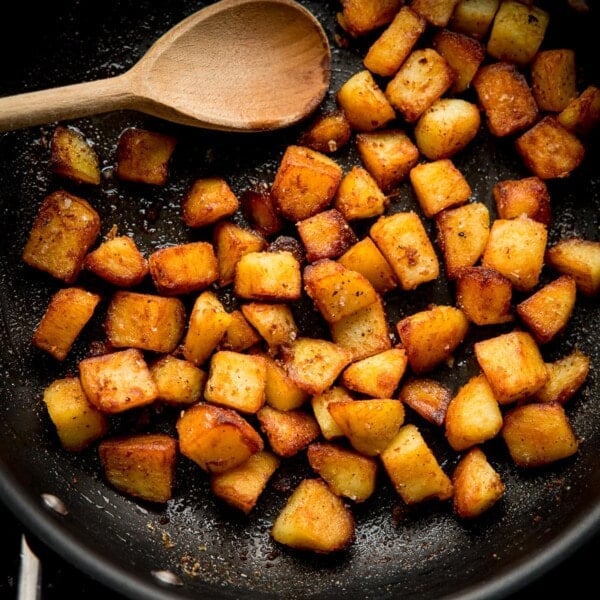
328	132
178	380
325	235
554	78
207	201
582	114
473	17
579	258
72	156
436	12
528	195
427	397
359	17
274	322
319	404
566	375
358	196
240	335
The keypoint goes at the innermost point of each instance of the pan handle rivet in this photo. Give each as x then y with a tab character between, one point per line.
167	577
55	503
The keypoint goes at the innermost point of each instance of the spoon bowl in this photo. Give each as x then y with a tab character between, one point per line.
236	65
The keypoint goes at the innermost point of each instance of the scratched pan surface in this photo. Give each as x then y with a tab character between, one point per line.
424	552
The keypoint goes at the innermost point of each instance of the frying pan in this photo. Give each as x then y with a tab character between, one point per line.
422	552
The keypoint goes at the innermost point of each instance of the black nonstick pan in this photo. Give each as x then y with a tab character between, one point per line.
196	547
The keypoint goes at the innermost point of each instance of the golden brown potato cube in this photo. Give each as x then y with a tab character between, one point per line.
178	380
288	431
242	486
236	380
505	98
463	53
240	335
473	415
370	424
118	381
259	209
579	258
78	424
484	295
473	17
73	157
68	312
528	195
207	201
403	241
207	324
554	78
549	150
364	103
436	12
387	53
280	391
328	132
462	235
513	365
423	78
119	261
347	473
431	336
320	402
448	126
268	276
582	114
358	196
413	469
274	322
305	183
427	397
388	155
359	17
538	434
366	258
547	312
364	332
337	291
378	375
141	465
216	438
64	229
477	485
566	375
439	185
314	519
143	156
314	364
517	32
515	248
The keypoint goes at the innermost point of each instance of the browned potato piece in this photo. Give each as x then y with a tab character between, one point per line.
436	12
346	472
554	78
358	196
477	485
473	17
328	133
78	424
68	312
368	424
529	196
118	381
413	469
178	380
144	321
582	114
320	402
142	465
314	519
240	335
566	375
216	438
119	261
538	434
579	258
73	157
259	209
242	486
427	397
513	365
359	17
280	391
431	336
64	229
236	380
143	156
325	235
273	321
207	201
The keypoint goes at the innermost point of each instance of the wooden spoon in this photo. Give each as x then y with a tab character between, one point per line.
236	65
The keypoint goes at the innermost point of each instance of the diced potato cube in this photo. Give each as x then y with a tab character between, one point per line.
528	195
538	434
439	185
328	132
68	312
207	201
64	229
431	336
473	415
513	365
359	17
413	469
259	209
178	380
242	486
582	114
280	391
240	335
554	78
320	402
436	12
216	438
404	243
118	381
305	182
358	196
325	235
144	321
274	322
579	258
73	157
515	248
348	473
427	397
78	424
236	380
473	17
142	465
314	519
143	156
566	375
477	485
